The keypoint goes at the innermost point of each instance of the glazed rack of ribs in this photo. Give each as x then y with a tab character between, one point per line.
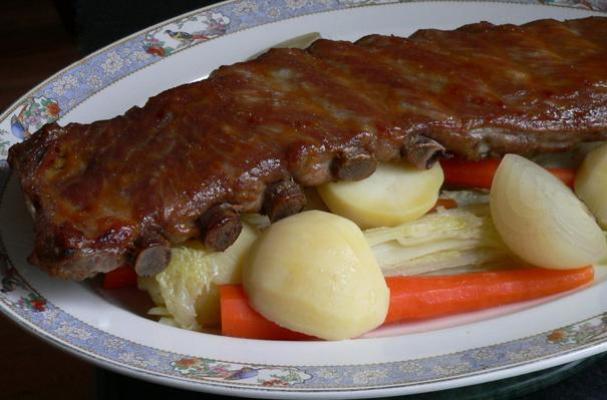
248	138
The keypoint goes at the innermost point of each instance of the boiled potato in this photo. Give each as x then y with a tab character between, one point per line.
314	273
540	219
394	194
591	183
188	286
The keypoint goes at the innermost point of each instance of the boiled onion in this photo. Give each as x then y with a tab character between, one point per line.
540	219
591	183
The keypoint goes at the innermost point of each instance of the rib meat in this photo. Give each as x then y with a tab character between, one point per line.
246	138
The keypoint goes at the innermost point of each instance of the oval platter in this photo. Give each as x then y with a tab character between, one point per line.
81	319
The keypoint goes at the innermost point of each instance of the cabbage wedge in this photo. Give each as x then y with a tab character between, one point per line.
186	293
440	240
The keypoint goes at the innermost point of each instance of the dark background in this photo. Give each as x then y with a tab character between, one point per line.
42	37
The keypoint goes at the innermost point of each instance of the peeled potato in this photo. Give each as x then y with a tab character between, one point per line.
394	194
591	183
540	219
315	273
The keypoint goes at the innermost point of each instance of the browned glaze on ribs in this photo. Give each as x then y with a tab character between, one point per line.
248	137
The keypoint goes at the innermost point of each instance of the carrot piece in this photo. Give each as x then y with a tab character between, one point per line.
422	297
473	174
479	174
419	297
121	277
564	174
240	320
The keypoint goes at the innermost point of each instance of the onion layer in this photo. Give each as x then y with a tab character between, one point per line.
540	219
591	183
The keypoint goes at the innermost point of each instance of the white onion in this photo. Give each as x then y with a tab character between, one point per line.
591	183
540	219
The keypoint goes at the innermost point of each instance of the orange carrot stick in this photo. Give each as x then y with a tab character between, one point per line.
121	277
240	320
472	174
422	297
479	174
419	297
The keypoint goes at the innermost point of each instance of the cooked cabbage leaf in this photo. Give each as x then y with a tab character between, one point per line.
187	290
444	239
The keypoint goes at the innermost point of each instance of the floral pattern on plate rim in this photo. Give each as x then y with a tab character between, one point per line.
64	91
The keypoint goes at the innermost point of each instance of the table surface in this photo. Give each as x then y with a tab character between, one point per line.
39	46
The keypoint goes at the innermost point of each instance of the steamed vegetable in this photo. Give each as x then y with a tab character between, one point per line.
187	291
393	194
419	297
469	174
238	319
451	241
298	42
479	174
444	239
456	240
591	183
314	273
540	219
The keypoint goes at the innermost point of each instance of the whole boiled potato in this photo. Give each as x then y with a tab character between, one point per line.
314	273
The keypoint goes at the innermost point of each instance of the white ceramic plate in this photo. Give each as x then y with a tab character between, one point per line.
97	326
